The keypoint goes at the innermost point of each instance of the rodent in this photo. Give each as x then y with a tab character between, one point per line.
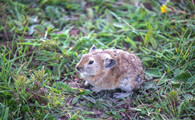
110	69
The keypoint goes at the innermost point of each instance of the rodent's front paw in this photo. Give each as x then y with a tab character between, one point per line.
122	95
95	89
86	84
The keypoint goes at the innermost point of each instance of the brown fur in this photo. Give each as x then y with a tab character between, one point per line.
126	73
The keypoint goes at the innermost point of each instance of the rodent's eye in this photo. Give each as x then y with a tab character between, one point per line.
91	62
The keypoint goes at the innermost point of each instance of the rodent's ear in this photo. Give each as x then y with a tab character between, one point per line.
109	63
93	48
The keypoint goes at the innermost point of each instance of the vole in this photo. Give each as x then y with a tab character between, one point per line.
110	69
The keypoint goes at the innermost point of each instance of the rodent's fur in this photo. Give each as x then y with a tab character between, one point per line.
111	68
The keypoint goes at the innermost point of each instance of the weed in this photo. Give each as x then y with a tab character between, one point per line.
41	42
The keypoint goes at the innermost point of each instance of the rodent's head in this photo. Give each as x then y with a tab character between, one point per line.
95	62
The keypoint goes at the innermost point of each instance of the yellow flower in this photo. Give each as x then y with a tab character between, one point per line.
159	109
176	50
163	9
81	90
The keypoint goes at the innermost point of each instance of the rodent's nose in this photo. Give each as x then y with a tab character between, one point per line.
78	68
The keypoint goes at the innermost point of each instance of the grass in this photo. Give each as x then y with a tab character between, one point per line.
41	42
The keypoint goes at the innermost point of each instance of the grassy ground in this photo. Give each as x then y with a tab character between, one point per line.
41	42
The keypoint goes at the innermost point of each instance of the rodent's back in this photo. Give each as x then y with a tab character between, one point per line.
128	66
126	62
